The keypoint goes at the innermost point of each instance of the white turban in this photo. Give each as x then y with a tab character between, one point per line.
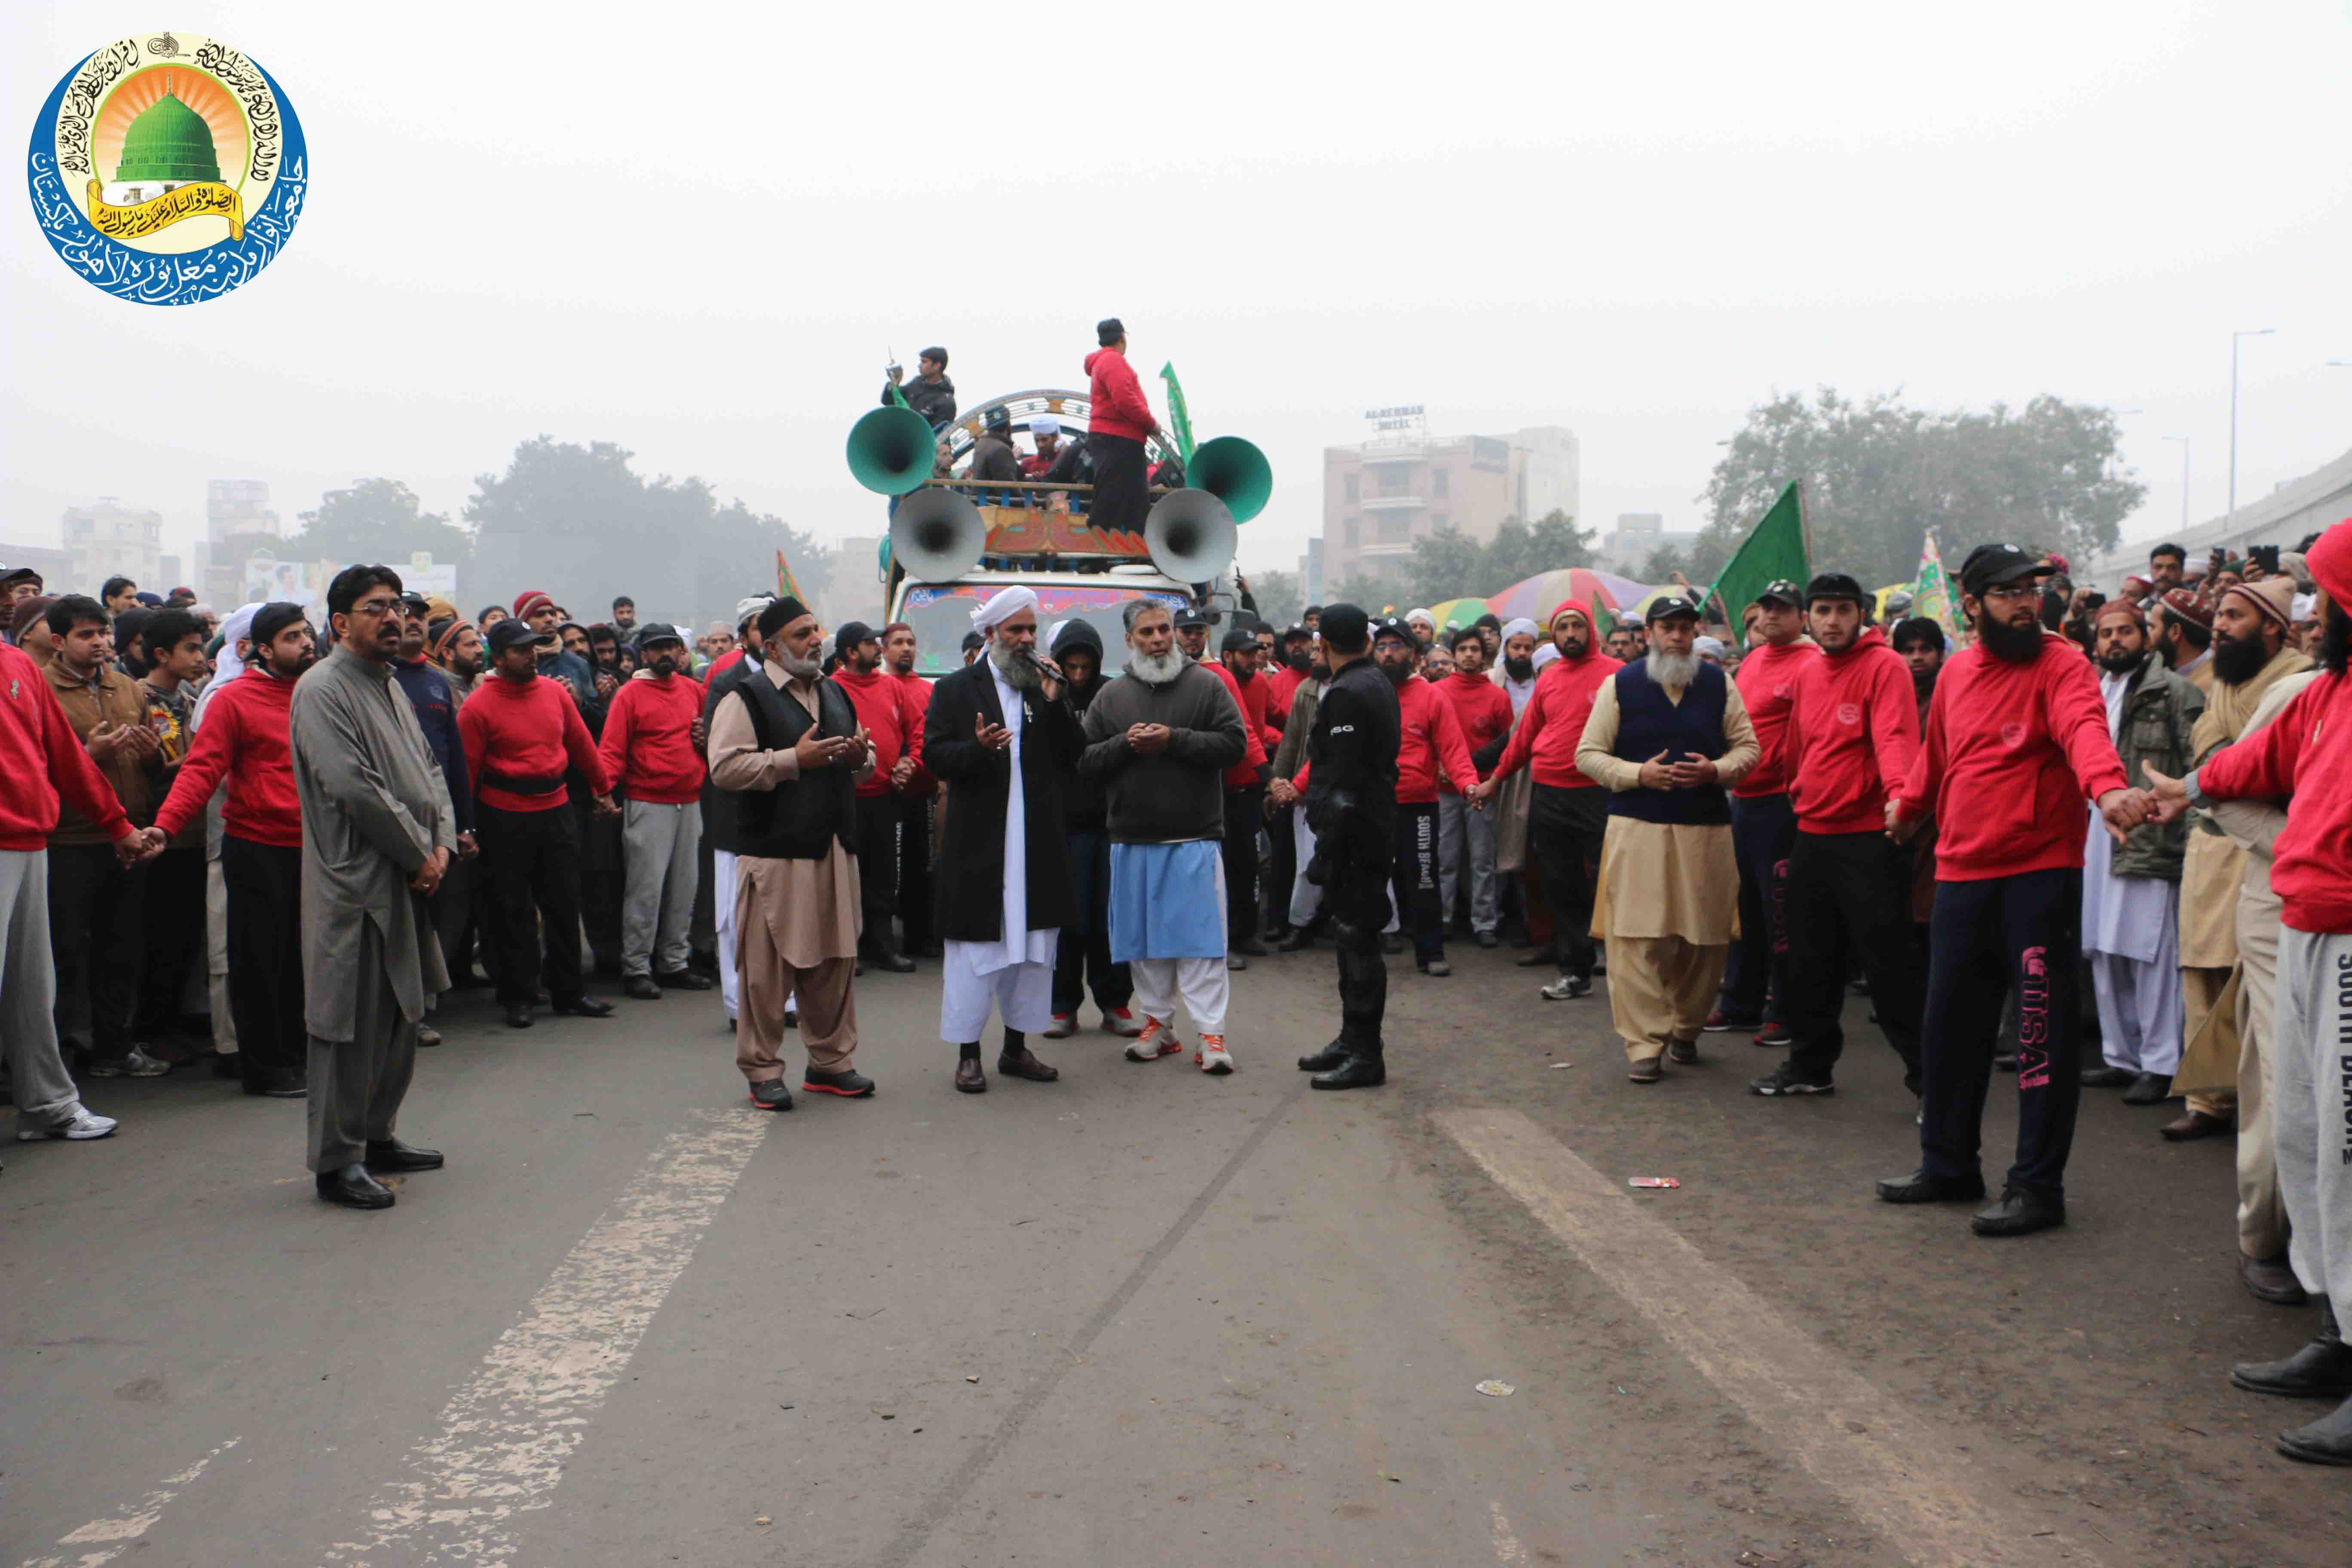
1044	424
1520	627
1421	616
1708	647
1545	653
1003	607
1054	632
2303	605
229	667
745	609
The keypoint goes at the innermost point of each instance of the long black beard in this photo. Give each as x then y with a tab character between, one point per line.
1397	674
1520	669
1299	661
2014	645
2237	660
2119	662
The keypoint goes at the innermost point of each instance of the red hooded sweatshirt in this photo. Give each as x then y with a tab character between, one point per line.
243	737
921	786
1554	721
893	720
648	742
1482	709
527	729
42	761
1282	684
1244	773
1768	679
2010	752
1118	407
1851	724
2305	752
1431	737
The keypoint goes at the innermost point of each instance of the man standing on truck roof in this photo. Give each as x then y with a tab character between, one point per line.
931	393
1119	422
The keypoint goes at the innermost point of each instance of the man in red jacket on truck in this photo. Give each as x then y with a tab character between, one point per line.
893	719
652	748
43	762
1118	421
1852	728
523	733
2305	753
1569	812
2017	737
1763	824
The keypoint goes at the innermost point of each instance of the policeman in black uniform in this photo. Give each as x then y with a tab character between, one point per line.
1350	804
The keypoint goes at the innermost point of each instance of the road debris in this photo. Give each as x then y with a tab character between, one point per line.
1494	1388
1653	1182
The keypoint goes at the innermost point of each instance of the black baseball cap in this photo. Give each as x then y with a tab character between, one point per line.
1394	626
1296	629
1834	585
654	633
1672	604
1191	615
851	633
1241	639
1989	565
1785	591
514	632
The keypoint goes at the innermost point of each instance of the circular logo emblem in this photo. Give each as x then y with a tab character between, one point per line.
2012	734
1849	712
167	168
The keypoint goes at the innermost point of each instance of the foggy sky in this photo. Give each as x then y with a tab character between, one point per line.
696	230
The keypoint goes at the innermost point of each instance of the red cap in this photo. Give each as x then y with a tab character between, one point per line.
531	599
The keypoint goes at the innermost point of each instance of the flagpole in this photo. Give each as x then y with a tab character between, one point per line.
1805	523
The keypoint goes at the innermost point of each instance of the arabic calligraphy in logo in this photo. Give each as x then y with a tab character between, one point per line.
168	169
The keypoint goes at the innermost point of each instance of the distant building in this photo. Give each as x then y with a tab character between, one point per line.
1405	485
1310	574
55	565
108	539
1637	534
233	507
168	576
853	589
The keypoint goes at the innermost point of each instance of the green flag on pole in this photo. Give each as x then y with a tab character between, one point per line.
1775	549
1179	419
1931	591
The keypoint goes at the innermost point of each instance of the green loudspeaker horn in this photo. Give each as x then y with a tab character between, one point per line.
1236	472
891	451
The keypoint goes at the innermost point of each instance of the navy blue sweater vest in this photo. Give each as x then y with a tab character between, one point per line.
1647	724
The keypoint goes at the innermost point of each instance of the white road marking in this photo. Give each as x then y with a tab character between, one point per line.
505	1435
129	1525
1895	1470
1508	1549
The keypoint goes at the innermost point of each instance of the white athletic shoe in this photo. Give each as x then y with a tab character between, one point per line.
1212	1056
1156	1041
80	1126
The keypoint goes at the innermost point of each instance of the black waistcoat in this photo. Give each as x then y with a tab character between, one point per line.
1647	724
803	819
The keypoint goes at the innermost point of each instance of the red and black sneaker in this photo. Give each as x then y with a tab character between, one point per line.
1775	1036
1722	1023
848	1083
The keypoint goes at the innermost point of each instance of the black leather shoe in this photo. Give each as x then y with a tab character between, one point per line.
1297	940
641	987
2271	1279
1919	1187
1331	1056
2326	1441
2020	1211
684	980
288	1085
890	960
2150	1089
2191	1125
518	1015
2322	1369
585	1007
391	1155
1023	1063
353	1188
1486	939
2107	1077
969	1079
1358	1071
1248	947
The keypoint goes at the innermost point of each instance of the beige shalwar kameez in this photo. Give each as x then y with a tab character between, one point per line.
1668	903
796	921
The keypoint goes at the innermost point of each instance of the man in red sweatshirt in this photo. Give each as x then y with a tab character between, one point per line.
523	733
1850	727
1763	824
1236	665
1118	421
886	709
652	748
1465	834
915	790
2017	737
44	765
243	736
2305	753
1570	813
1429	739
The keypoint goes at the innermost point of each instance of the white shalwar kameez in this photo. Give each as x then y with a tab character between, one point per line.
2131	934
1013	973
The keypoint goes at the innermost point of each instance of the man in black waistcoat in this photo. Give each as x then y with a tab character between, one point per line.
1351	804
1667	737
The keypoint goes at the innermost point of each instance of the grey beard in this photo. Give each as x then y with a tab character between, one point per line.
1156	672
1015	671
1673	669
798	669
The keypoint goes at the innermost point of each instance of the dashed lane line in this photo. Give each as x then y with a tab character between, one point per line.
110	1536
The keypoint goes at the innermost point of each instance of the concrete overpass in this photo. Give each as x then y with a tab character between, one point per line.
2317	501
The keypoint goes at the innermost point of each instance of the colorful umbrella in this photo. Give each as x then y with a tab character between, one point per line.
1536	597
1457	612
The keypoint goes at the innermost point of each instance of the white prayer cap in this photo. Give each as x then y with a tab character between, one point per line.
1421	616
1007	603
229	667
1054	631
2304	606
1708	647
1545	653
1521	626
746	609
1044	424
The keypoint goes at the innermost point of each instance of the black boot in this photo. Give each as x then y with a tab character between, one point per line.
2326	1441
882	951
1327	1059
2320	1370
1363	1006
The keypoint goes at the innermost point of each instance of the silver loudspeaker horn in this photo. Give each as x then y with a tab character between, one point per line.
937	536
1190	535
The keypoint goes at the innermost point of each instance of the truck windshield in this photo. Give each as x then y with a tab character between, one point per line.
942	615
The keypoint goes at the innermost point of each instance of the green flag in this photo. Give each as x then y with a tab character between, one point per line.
1774	550
1931	591
1178	419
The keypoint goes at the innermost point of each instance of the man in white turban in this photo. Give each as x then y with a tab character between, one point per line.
1001	735
1424	627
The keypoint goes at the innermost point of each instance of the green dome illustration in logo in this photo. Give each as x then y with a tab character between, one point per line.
168	142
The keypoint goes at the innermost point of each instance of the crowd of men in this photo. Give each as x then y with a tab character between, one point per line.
2139	800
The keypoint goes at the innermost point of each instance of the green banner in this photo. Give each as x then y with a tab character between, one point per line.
1773	550
1931	592
1179	419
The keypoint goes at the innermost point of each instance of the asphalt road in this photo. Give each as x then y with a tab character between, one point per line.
1140	1317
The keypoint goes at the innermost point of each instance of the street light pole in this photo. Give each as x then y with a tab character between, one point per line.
2250	332
2184	479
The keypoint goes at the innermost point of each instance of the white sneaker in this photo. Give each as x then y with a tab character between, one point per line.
81	1125
1212	1056
1156	1041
